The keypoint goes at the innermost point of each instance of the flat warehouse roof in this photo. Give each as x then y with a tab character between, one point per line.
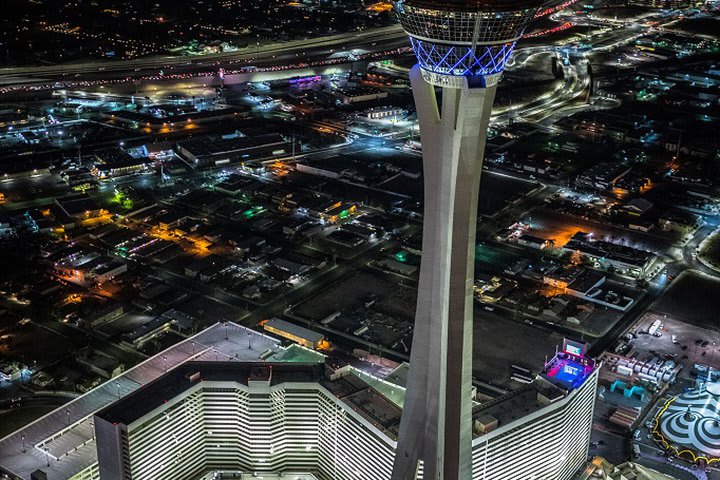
293	329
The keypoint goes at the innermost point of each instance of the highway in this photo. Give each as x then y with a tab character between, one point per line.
280	55
370	40
296	51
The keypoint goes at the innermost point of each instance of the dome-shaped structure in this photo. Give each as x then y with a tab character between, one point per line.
456	38
689	425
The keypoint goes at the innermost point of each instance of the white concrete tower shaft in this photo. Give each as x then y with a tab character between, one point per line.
436	426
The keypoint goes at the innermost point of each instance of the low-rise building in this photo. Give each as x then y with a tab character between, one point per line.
100	363
115	162
171	320
682	222
637	207
11	371
105	314
303	336
601	469
338	211
80	207
360	94
398	267
535	242
493	289
626	260
384	112
209	150
602	176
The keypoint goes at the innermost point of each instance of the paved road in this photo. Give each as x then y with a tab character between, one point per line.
264	52
270	55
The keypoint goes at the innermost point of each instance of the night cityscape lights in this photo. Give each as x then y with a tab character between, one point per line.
359	240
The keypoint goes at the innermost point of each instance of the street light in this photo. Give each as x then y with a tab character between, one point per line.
117	384
22	436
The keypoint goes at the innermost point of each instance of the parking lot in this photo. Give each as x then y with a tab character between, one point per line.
692	345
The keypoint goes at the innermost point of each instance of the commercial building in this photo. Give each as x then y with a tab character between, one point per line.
62	444
490	289
541	431
163	120
115	162
102	269
99	363
603	176
80	207
213	151
11	371
338	211
385	112
171	320
678	221
303	336
601	469
359	95
461	47
535	242
626	260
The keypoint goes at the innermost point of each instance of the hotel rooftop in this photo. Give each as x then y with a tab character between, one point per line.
65	438
66	434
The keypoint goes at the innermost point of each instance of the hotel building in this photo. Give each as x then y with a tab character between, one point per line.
198	410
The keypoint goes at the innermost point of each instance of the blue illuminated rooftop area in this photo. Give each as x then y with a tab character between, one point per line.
568	370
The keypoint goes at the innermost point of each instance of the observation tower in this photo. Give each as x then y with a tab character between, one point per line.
461	46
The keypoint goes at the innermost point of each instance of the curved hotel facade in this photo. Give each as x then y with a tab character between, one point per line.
302	419
244	403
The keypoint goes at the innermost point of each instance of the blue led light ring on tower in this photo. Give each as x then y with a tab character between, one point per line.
464	38
462	60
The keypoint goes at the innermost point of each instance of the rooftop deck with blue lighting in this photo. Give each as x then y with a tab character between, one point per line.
568	371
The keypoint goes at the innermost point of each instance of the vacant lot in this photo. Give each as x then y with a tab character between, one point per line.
693	298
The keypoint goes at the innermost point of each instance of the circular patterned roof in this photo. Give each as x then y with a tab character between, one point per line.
689	424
